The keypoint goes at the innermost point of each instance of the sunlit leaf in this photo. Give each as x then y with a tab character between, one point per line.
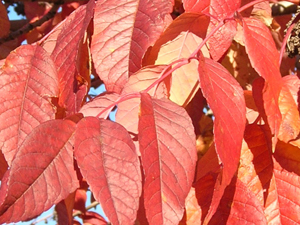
28	81
107	159
120	41
167	146
41	174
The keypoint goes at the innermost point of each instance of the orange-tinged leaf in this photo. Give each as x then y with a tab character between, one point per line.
179	41
288	105
196	6
120	41
264	58
226	99
30	74
167	146
4	22
192	214
222	38
72	90
111	167
239	206
41	174
127	114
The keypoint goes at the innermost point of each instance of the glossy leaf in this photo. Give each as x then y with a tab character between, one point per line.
41	174
195	6
114	176
168	158
30	74
120	41
260	45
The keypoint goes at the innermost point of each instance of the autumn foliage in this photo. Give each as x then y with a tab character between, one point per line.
207	123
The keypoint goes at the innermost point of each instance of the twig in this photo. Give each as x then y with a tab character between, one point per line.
31	26
92	205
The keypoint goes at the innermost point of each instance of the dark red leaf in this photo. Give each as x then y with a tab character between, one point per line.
167	145
73	86
110	166
93	219
120	41
64	210
28	81
41	174
264	58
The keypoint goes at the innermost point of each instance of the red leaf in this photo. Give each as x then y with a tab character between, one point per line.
264	58
127	114
72	90
221	40
31	76
239	206
196	6
93	218
176	44
98	104
64	210
226	99
286	171
167	145
110	166
41	174
3	165
120	41
4	21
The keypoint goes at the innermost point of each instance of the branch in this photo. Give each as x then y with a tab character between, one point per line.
31	26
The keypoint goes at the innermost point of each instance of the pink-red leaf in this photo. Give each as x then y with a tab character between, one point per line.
28	81
41	174
264	58
111	167
99	104
127	114
167	145
120	41
221	40
67	59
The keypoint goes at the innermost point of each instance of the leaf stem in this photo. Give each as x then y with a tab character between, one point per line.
250	4
120	99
